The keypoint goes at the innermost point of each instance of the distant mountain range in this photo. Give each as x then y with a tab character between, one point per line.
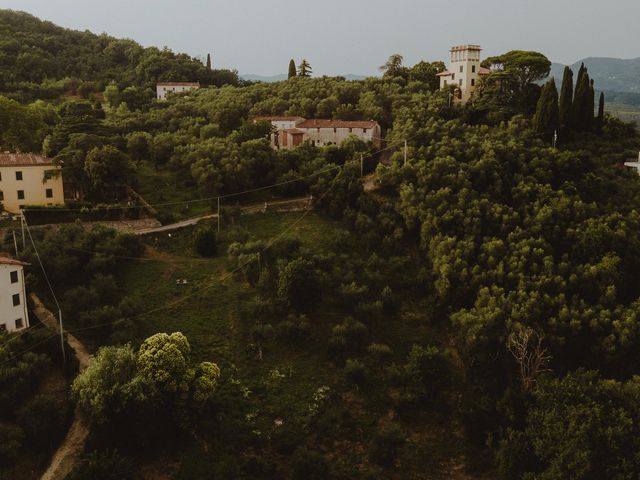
610	74
278	78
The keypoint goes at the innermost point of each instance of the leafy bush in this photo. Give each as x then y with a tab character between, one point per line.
386	445
355	372
44	420
11	439
205	242
105	465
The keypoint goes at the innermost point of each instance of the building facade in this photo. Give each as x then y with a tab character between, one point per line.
162	89
464	71
29	179
291	132
14	315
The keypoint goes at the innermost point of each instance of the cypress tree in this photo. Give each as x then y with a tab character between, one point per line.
590	106
292	69
546	119
566	99
208	61
600	119
581	118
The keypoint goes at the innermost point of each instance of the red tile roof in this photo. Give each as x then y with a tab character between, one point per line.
178	84
318	123
12	261
446	73
23	160
279	118
484	71
293	131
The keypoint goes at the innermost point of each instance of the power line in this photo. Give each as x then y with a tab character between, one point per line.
55	299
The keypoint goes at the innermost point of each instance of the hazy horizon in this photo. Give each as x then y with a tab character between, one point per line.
260	38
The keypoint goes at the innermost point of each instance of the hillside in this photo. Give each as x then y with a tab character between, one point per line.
39	59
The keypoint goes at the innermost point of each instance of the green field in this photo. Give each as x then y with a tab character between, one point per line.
628	113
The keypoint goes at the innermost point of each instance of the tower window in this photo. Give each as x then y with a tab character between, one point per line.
49	193
461	68
473	69
18	175
473	82
20	194
14	276
16	299
453	76
19	324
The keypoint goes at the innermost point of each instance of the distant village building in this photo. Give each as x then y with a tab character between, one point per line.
29	179
13	296
291	132
464	71
634	164
162	89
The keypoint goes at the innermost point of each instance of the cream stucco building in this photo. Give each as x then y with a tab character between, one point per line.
290	132
162	89
13	296
29	179
464	71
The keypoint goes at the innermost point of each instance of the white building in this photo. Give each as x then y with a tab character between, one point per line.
162	89
29	179
13	295
464	71
290	132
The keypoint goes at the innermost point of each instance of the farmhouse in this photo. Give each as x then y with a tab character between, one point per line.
464	71
29	179
290	132
13	296
162	89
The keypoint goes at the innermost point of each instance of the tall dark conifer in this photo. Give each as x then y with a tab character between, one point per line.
292	69
600	117
581	118
566	99
590	107
546	119
208	61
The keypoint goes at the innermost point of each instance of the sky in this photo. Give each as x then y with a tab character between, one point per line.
340	37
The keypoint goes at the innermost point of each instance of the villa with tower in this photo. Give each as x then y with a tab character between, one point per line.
464	71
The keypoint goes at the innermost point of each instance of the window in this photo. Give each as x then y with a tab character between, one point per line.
460	81
461	67
335	130
350	130
453	76
19	324
0	176
473	69
49	192
18	175
3	327
16	299
1	196
473	82
14	276
20	194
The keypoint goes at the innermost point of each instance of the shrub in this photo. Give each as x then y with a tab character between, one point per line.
309	466
355	371
205	242
379	352
10	443
386	445
44	421
107	465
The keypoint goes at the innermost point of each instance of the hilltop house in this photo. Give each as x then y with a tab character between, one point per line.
464	71
290	132
29	179
13	296
162	89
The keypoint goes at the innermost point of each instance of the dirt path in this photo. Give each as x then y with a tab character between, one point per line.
68	453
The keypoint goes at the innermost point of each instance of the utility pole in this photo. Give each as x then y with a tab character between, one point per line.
405	153
24	242
555	138
218	214
15	242
361	166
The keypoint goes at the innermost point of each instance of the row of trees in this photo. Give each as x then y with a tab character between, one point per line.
570	111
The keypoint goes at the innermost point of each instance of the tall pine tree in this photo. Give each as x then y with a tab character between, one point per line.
208	61
566	99
292	69
304	69
547	117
